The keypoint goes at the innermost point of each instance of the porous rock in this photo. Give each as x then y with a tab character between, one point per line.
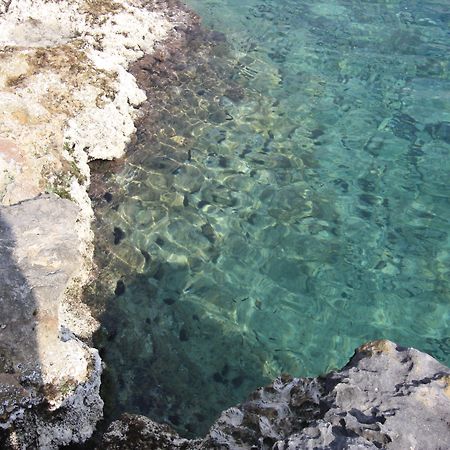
49	380
386	397
66	98
139	432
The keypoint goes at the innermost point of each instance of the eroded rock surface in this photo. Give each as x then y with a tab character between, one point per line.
65	94
136	432
66	98
42	367
385	397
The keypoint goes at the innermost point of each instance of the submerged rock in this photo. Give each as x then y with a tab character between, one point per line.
385	397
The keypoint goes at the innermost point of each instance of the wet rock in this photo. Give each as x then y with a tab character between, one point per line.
385	397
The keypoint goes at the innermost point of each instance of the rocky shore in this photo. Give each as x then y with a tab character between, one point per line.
67	98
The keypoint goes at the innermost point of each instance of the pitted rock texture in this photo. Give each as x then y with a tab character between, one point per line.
139	432
66	98
44	370
65	94
386	397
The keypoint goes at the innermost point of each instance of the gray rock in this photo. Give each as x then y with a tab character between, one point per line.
385	397
49	380
139	432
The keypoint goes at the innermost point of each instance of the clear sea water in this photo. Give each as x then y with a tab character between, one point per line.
309	217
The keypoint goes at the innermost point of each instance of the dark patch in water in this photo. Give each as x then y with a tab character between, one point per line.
364	213
175	419
343	184
208	232
146	256
159	274
184	335
237	381
119	235
316	133
439	130
218	378
120	288
368	199
223	162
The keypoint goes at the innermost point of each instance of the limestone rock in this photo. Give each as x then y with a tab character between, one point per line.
43	367
138	432
386	397
65	94
66	98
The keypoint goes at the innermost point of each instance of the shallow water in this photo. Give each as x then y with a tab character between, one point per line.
276	229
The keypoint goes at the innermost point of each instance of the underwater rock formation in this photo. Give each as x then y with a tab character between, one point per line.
385	397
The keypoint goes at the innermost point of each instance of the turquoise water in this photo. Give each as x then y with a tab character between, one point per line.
292	204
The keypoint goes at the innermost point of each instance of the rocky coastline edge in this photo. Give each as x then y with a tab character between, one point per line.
67	98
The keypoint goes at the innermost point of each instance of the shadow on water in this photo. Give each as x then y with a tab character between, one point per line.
171	359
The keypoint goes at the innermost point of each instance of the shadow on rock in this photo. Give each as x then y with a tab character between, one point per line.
49	380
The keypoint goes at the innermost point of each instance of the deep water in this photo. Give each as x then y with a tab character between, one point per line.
286	199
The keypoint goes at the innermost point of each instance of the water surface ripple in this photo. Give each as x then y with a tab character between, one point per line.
292	203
